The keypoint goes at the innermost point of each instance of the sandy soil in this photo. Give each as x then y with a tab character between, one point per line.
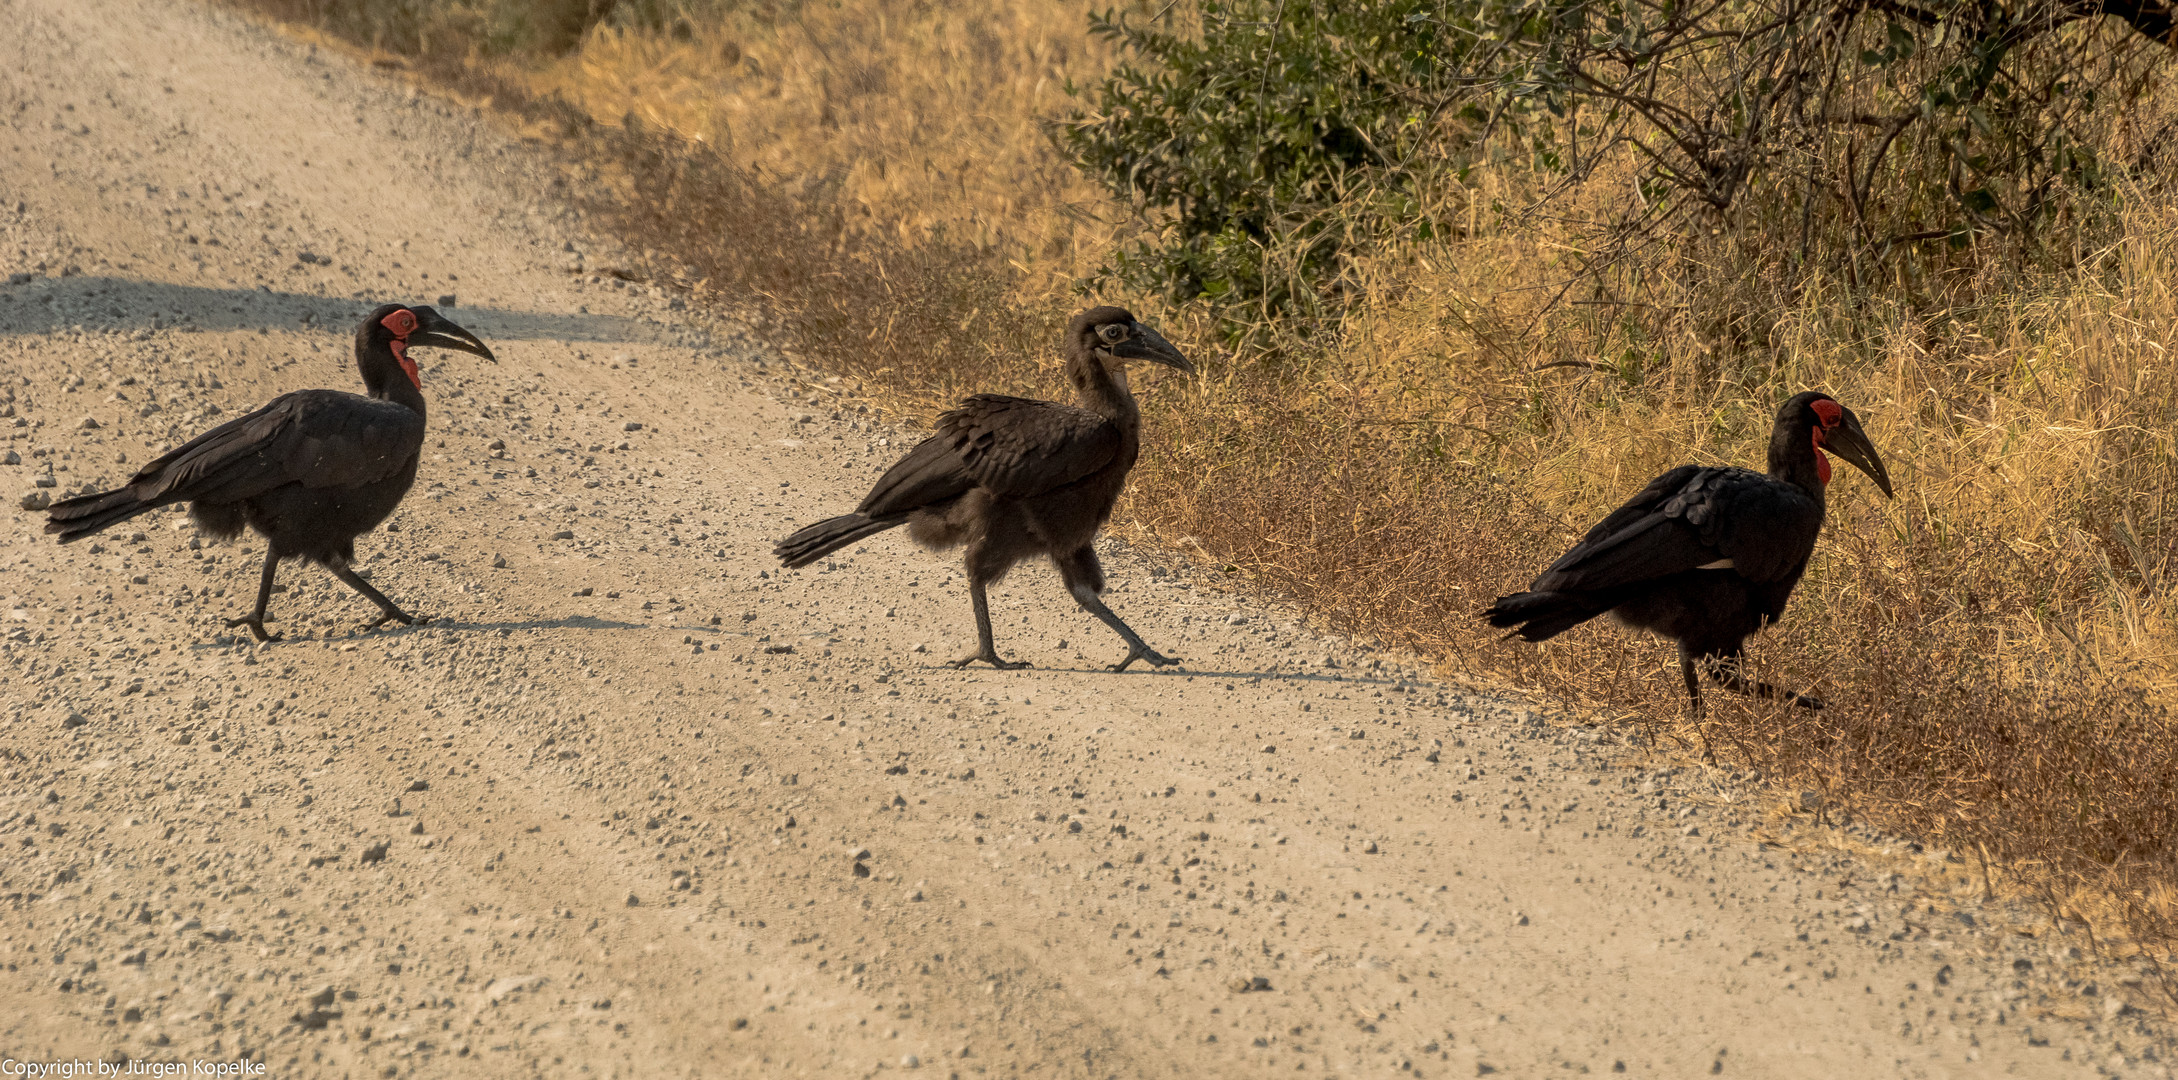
639	804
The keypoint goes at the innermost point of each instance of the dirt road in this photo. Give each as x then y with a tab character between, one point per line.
639	804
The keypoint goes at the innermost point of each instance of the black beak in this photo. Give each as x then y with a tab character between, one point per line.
1148	344
1851	444
439	332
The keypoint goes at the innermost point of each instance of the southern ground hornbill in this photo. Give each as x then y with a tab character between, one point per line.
310	471
1705	556
1014	478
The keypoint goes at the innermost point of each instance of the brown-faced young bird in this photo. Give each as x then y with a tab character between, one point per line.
1705	556
1013	478
310	471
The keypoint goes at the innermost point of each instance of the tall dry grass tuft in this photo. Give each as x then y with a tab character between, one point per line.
922	119
1999	646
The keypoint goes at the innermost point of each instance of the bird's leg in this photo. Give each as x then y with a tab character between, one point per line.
1725	669
255	620
1693	681
986	650
1694	702
1136	649
389	611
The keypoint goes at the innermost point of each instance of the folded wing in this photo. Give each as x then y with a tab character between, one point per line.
1011	447
1693	518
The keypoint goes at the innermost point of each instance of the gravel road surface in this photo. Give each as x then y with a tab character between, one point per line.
636	803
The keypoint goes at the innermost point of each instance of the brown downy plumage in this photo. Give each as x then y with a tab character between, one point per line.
1012	478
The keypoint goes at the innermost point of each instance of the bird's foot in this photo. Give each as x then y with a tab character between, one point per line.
1146	654
402	617
256	625
1805	702
990	658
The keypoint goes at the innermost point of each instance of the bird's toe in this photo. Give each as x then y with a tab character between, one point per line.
1150	656
257	628
991	659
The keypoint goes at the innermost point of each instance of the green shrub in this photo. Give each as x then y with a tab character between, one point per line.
1266	144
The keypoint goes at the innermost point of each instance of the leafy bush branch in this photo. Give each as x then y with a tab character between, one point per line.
1263	143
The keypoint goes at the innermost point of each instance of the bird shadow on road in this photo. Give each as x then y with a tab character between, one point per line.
1181	672
572	622
44	305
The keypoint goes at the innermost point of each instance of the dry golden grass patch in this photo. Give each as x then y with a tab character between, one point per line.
918	121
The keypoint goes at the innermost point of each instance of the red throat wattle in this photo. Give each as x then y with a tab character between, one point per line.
401	324
408	368
1831	414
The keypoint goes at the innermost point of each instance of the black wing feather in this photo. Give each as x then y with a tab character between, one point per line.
1012	447
1688	518
316	438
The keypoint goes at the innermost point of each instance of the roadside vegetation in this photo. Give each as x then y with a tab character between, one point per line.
1467	274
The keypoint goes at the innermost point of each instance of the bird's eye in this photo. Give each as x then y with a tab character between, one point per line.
1112	332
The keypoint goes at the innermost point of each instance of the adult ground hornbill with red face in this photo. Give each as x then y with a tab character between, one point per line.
1705	556
1013	478
310	471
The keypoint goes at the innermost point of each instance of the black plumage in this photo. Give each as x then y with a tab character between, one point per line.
310	471
1012	478
1705	556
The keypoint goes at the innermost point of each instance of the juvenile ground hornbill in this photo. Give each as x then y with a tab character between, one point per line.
1013	478
1705	556
310	471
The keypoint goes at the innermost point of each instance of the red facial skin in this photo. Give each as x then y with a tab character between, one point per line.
403	323
1831	414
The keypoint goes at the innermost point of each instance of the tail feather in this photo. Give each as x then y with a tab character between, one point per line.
827	536
87	514
1540	616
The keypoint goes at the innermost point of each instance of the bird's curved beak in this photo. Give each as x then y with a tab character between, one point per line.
439	332
1148	344
1851	444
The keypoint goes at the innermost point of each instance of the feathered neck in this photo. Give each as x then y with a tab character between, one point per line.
1101	387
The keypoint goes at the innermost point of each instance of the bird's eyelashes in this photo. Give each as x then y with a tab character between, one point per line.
1112	332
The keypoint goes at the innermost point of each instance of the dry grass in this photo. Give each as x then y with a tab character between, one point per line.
1998	644
922	119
